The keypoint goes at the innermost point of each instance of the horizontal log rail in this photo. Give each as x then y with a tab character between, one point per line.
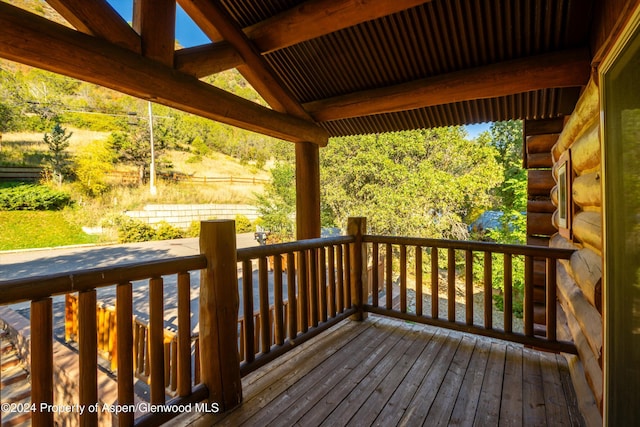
94	333
427	255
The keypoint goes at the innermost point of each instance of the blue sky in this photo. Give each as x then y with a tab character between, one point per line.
187	33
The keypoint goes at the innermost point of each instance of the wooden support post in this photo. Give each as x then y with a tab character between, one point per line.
307	191
88	356
357	227
219	302
42	361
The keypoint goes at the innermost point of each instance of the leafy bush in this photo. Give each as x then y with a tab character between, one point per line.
166	231
32	197
131	230
243	224
193	230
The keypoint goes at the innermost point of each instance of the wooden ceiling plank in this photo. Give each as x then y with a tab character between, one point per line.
566	68
98	18
316	18
36	41
260	74
207	59
155	21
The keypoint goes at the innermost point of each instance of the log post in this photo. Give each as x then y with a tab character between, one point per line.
219	303
88	356
307	191
42	361
357	227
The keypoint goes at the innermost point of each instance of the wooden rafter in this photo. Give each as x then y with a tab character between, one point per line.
309	20
98	18
553	70
35	41
204	60
210	14
316	18
155	21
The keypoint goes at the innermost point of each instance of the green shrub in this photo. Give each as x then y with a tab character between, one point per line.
32	197
243	224
193	230
131	230
166	231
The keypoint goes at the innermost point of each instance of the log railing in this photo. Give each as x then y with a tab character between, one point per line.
306	291
324	282
429	255
41	290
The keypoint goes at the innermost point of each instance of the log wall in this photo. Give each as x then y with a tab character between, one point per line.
579	278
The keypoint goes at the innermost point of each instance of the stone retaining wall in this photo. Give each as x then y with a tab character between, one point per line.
182	216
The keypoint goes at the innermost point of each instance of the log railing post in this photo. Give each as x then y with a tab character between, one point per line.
88	356
357	227
42	361
219	303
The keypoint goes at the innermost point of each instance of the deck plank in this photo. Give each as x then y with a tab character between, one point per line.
491	393
534	413
322	378
446	398
428	390
402	396
387	372
375	398
555	401
511	408
335	387
260	387
347	400
466	404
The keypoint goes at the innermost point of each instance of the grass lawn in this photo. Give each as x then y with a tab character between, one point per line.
39	229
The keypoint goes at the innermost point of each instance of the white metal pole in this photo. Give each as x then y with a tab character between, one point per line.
152	169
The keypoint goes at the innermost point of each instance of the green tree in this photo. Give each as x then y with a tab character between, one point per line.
277	205
511	195
93	162
58	141
420	183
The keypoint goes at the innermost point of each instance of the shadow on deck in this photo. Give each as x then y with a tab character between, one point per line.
389	372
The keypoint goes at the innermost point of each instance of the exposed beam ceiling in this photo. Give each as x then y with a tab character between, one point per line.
316	18
210	14
98	18
553	70
307	21
204	60
155	21
35	41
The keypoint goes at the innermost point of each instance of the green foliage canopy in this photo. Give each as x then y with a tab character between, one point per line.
418	183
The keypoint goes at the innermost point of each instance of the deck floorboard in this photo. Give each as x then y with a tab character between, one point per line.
388	372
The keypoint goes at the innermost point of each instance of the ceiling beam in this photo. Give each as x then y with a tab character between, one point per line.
553	70
155	21
98	18
33	40
316	18
207	59
307	21
211	14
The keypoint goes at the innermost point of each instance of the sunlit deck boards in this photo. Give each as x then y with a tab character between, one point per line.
387	372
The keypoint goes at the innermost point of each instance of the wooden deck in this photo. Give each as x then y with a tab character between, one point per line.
387	372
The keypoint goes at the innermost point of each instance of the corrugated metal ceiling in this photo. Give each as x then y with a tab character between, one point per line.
432	39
